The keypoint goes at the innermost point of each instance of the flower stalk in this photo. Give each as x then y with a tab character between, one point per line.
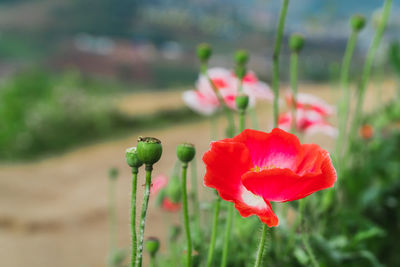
296	43
368	65
357	23
261	246
227	235
277	50
113	175
210	255
149	151
186	153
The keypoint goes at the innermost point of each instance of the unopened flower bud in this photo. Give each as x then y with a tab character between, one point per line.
152	245
242	101
296	42
132	158
204	52
113	173
357	22
149	150
173	190
185	152
241	57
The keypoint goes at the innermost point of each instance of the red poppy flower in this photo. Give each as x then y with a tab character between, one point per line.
254	168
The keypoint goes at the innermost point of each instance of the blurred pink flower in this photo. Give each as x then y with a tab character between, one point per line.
168	205
308	122
311	102
205	101
159	182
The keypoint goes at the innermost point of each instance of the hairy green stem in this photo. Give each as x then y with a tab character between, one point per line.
227	235
133	217
186	215
142	224
261	246
210	255
294	58
277	50
344	105
368	66
242	120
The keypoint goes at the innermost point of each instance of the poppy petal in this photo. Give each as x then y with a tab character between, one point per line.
275	149
283	185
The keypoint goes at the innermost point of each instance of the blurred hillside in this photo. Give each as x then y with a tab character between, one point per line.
151	42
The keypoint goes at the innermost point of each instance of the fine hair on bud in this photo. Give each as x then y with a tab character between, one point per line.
296	42
204	52
132	158
357	22
185	152
149	150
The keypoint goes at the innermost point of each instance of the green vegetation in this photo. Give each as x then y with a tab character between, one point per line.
42	113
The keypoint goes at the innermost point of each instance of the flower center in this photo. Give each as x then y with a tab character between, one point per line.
257	168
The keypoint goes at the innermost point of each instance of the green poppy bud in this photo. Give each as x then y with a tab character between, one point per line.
185	152
204	52
149	150
357	22
173	190
240	71
132	158
152	245
113	173
296	42
242	101
241	57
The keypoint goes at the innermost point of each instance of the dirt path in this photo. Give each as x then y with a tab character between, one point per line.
54	212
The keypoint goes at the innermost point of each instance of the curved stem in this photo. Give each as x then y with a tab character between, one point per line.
145	205
186	215
227	235
277	50
344	84
293	81
368	65
133	216
261	246
213	231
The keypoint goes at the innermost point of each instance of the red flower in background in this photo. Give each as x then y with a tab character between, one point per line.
255	168
158	188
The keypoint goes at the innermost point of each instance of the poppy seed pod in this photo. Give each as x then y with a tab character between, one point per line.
296	42
242	101
132	158
357	22
149	150
185	152
152	245
241	57
204	52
